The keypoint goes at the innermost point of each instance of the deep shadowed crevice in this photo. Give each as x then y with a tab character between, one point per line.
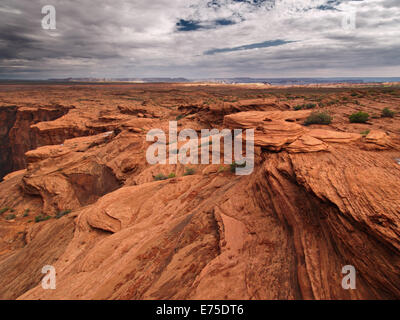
16	135
7	119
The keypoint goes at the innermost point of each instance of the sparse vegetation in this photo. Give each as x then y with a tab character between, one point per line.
26	213
222	169
10	217
189	172
41	218
181	116
306	106
359	117
4	210
365	133
62	213
318	118
160	177
387	113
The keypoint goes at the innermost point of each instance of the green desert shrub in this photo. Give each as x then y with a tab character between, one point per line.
41	218
4	210
171	175
62	213
359	117
365	133
160	177
189	172
387	113
10	216
221	169
26	213
310	106
306	106
181	116
318	118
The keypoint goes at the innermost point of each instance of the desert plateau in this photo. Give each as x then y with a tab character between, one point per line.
77	193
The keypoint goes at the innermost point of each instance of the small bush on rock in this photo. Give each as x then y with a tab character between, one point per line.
189	172
305	106
365	133
160	177
62	213
41	218
318	118
387	113
359	117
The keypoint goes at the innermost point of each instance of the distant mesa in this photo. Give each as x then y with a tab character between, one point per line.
236	80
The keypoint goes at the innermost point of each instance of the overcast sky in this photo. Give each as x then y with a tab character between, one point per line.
200	38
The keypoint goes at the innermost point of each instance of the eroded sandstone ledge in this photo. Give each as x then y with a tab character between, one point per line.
320	197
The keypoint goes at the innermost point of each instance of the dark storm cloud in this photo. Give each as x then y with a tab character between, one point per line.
14	42
190	25
132	38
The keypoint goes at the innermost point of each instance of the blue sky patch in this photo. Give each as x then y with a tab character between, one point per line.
265	44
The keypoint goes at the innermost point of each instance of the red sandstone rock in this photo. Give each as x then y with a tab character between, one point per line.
283	232
379	140
307	143
334	136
